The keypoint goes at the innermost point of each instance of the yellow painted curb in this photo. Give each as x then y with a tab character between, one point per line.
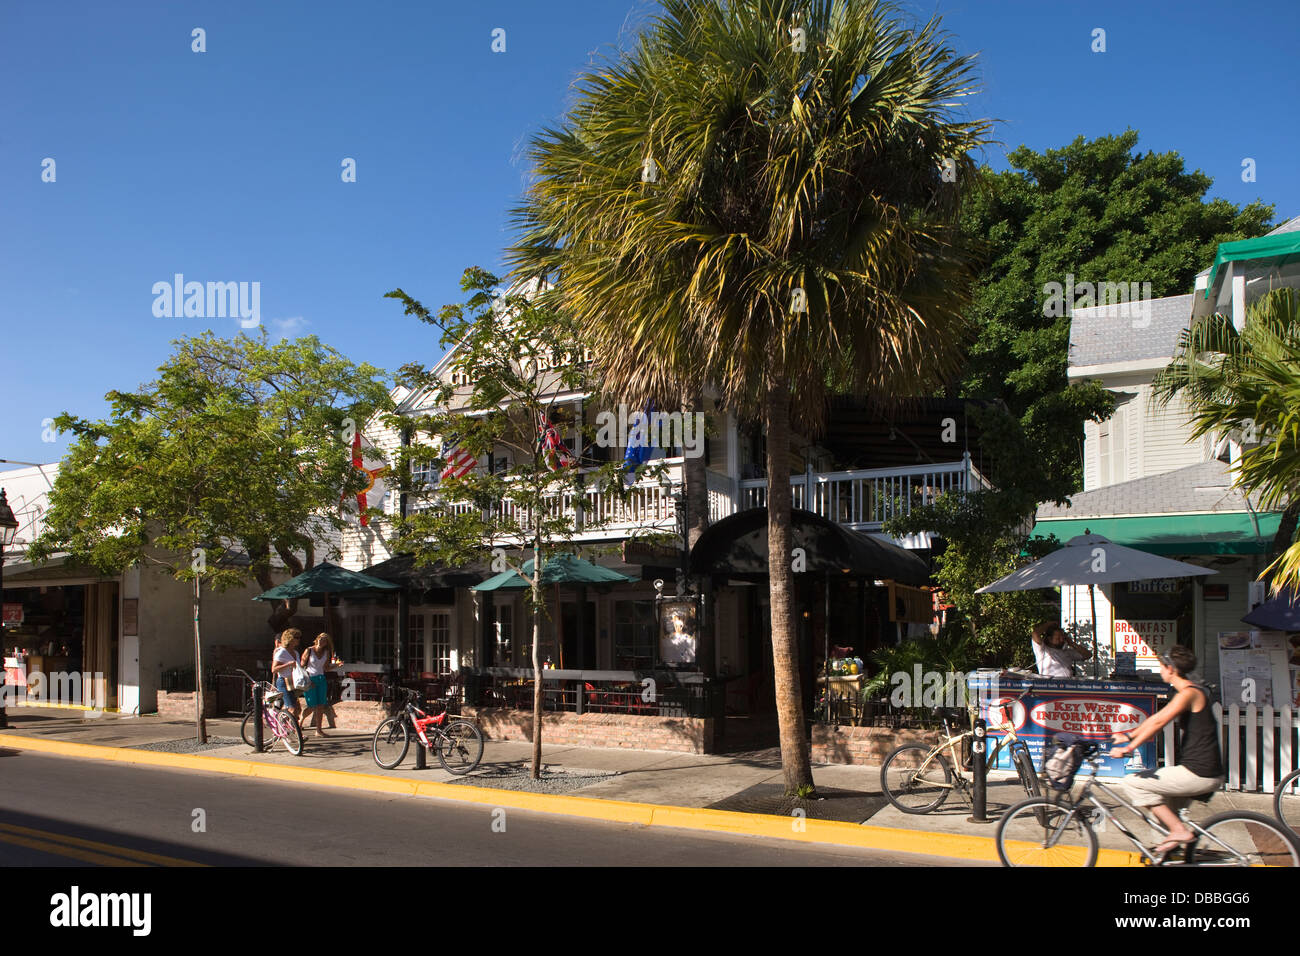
866	837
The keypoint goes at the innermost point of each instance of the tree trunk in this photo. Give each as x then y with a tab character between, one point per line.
694	469
1285	532
537	657
795	760
200	724
281	611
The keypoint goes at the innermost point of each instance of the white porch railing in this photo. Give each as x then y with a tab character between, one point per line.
864	499
1257	744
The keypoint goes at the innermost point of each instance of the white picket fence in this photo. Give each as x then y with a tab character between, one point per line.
1258	745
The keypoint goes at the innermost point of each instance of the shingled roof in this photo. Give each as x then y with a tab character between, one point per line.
1201	488
1111	333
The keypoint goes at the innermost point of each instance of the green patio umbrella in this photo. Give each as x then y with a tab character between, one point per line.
561	569
325	579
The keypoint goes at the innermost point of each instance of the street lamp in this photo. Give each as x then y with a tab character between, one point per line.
681	506
8	530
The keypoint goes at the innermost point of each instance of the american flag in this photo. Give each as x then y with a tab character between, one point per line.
459	461
554	450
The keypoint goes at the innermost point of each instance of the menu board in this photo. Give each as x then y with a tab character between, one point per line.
1146	640
1253	668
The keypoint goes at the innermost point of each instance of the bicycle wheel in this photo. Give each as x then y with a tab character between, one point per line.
1286	804
1241	838
915	790
290	734
1041	832
1025	769
460	748
246	731
390	742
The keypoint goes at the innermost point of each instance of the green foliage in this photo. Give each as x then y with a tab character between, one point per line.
239	448
1101	212
986	538
1246	385
951	652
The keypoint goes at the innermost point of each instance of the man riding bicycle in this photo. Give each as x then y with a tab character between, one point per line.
1200	767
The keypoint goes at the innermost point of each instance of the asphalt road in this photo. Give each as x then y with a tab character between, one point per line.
63	811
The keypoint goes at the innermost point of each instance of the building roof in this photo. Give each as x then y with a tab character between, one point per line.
1104	334
1203	488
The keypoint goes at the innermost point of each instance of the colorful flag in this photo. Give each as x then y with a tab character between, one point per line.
366	459
639	447
554	450
459	461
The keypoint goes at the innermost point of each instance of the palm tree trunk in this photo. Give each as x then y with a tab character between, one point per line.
537	657
795	760
1285	531
697	488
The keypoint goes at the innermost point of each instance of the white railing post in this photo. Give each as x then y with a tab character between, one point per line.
1266	772
1170	756
1250	780
1286	757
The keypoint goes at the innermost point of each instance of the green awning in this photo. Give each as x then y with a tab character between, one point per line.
560	569
1211	533
1281	246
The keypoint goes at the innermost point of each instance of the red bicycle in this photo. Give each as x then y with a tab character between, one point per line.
457	742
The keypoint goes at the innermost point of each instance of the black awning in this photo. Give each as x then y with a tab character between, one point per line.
738	546
401	569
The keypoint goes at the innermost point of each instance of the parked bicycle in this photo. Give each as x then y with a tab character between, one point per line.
1286	802
457	742
279	722
918	779
1060	831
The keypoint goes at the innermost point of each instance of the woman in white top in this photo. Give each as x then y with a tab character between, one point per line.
315	660
282	664
1055	653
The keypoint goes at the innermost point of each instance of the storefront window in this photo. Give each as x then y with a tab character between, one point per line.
357	640
505	625
1152	616
415	649
636	635
384	634
441	633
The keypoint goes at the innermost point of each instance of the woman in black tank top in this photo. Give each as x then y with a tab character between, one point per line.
1200	767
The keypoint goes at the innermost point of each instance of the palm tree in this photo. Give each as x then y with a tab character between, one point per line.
762	196
1245	385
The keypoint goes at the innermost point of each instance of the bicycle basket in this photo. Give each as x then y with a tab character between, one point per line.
1064	761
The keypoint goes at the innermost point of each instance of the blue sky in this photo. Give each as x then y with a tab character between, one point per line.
225	165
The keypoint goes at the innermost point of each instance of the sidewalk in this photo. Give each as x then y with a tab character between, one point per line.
628	783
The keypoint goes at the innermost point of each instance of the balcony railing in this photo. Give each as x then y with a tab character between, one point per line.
862	499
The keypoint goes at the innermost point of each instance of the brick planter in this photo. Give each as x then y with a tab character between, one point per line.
179	704
358	715
863	745
693	735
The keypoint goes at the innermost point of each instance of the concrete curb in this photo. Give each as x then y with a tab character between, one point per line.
858	836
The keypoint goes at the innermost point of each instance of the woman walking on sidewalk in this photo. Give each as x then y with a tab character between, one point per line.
315	659
282	665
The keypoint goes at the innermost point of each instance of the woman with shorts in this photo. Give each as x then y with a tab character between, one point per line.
1199	769
315	659
282	665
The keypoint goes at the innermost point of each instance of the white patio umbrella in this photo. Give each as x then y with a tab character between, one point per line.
1091	559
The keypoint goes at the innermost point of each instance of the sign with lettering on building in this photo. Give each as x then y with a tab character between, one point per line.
13	612
1146	639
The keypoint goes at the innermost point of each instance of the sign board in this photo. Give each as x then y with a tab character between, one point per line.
1090	709
1215	592
915	605
1156	586
130	617
12	612
1146	639
1253	668
678	629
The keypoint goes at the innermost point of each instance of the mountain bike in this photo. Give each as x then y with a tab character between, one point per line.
917	778
1060	831
457	742
1286	805
280	724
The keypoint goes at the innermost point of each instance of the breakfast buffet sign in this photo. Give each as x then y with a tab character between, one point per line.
1145	639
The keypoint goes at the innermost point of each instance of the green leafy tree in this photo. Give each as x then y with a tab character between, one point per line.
763	196
238	451
515	356
1098	211
1245	385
